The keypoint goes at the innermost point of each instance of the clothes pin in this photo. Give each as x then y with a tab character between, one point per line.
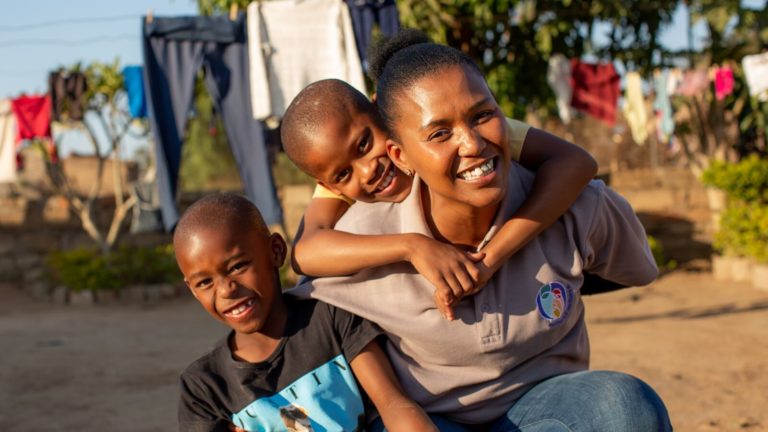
233	9
149	15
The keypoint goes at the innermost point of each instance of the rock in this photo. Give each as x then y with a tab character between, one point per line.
81	298
40	290
107	296
60	295
132	294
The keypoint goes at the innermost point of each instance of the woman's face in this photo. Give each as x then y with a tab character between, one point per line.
453	134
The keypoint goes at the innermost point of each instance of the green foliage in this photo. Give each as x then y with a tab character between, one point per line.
286	173
744	231
87	269
207	161
512	40
746	180
657	250
219	7
105	81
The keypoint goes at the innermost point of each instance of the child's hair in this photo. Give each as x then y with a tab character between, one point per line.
320	102
217	211
398	62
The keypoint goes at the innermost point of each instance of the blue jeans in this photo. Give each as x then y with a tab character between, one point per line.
577	402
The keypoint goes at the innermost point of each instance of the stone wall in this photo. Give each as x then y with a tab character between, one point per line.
671	203
673	206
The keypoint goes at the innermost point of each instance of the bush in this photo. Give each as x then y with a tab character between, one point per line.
746	180
744	231
86	269
658	255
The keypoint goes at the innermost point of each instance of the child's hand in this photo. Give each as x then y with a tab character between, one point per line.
453	272
234	428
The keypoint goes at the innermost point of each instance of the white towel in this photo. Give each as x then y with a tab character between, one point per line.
7	143
756	73
292	43
559	78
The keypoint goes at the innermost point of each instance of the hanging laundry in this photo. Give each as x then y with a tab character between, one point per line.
175	49
292	44
67	90
694	83
595	89
756	73
674	79
134	86
665	124
723	82
33	117
7	142
559	78
634	108
367	13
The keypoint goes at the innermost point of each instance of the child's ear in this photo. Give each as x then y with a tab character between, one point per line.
395	152
278	249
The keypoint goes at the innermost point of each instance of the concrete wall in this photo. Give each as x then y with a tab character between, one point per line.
673	206
671	203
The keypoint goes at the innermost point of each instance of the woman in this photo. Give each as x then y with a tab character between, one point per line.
517	355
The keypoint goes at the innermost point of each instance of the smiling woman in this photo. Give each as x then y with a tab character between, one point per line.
518	352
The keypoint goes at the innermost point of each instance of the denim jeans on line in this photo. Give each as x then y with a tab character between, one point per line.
589	401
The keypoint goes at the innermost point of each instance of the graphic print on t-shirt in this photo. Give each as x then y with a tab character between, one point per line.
325	399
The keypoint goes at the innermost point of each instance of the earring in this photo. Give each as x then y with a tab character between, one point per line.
409	172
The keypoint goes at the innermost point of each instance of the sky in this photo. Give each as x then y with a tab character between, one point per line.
37	36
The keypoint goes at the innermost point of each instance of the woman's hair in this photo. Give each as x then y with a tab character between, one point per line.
398	62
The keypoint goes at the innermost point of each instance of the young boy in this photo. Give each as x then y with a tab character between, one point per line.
334	133
287	364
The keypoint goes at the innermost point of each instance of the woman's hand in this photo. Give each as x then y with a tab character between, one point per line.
453	273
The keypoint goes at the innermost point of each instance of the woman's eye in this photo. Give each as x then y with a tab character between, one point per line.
343	174
441	135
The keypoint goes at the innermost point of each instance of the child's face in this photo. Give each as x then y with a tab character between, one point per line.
233	275
349	156
453	134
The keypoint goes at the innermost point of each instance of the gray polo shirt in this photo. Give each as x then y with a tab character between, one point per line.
525	325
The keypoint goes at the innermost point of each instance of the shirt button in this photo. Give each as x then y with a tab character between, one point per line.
484	307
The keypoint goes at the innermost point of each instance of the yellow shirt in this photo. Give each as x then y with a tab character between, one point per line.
517	132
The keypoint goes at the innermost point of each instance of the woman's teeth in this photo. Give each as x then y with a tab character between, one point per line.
240	309
478	171
387	180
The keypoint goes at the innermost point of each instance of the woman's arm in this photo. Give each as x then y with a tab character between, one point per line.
374	373
562	170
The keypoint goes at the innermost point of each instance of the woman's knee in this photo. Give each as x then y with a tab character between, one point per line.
627	402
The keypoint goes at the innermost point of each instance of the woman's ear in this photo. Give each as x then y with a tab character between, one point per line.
396	153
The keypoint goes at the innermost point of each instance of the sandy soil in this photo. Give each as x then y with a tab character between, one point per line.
700	343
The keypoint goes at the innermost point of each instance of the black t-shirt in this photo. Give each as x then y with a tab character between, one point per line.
306	384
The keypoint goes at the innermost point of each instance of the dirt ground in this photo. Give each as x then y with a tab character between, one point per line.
700	343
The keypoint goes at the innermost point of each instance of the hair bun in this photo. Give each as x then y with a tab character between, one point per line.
383	48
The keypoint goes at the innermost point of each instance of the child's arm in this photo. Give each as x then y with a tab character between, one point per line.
397	411
320	250
562	171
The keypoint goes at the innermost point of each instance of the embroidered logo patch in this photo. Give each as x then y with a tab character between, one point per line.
553	302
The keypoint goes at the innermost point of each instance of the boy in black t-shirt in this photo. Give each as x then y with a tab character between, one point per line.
287	364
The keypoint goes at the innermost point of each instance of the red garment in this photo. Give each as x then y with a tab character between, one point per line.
595	89
33	117
723	82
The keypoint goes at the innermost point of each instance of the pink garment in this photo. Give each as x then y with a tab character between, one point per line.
723	82
694	82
